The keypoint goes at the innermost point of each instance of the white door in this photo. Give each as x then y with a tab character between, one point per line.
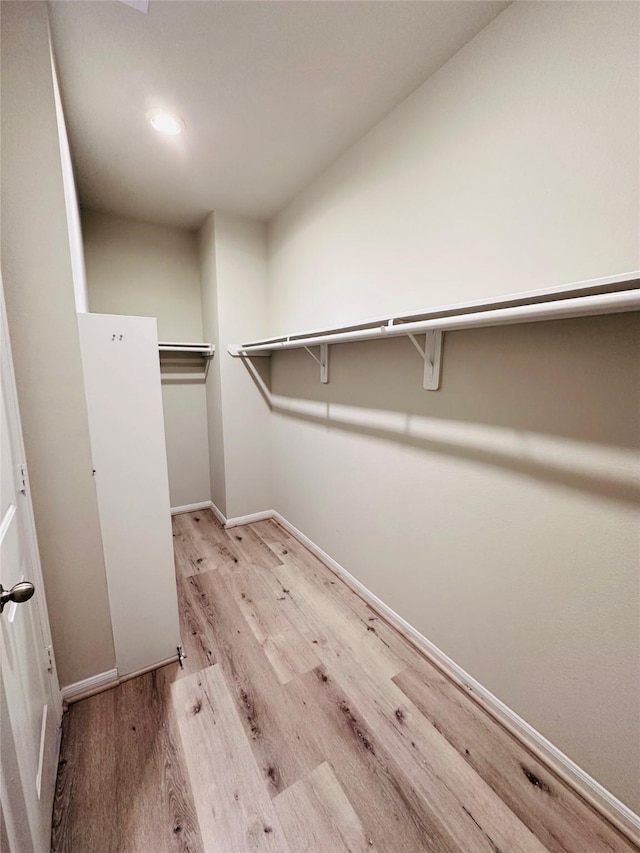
31	710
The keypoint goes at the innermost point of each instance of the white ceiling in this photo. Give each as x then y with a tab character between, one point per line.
271	93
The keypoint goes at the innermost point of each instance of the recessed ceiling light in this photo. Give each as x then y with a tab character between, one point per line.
167	123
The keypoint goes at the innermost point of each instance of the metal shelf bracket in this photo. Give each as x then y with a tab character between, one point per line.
432	356
323	361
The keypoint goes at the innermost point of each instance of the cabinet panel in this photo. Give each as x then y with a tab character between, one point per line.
122	382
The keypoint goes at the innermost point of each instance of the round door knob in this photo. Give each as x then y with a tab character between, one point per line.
19	592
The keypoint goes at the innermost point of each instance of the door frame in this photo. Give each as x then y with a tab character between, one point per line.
12	803
43	612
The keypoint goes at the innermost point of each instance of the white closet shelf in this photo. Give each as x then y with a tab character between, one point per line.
201	349
610	295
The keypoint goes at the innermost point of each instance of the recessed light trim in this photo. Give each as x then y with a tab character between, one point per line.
166	123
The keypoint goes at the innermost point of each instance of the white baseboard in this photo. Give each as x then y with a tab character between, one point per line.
105	681
573	775
214	509
249	519
88	686
177	510
143	670
240	519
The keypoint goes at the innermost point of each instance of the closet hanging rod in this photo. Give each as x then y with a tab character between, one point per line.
590	287
202	349
462	316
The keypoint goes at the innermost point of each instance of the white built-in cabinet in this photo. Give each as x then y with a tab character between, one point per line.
124	402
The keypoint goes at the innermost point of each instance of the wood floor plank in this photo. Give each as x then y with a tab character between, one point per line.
560	819
234	810
393	814
196	645
203	534
203	526
288	651
333	731
86	779
123	785
336	590
331	625
270	531
316	816
459	799
255	551
572	825
156	810
201	545
282	743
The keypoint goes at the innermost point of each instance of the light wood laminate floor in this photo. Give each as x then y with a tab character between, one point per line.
301	722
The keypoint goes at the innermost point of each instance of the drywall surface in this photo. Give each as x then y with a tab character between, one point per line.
139	269
499	514
153	269
241	292
207	250
36	266
514	167
71	204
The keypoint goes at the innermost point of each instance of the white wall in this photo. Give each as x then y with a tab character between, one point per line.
207	249
498	515
39	288
234	257
514	167
135	268
71	203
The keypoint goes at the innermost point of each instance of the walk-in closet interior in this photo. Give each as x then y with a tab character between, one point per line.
356	351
